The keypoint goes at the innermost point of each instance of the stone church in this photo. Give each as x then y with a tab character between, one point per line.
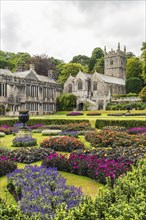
97	89
27	90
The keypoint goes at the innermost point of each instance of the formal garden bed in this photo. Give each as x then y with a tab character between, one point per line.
113	153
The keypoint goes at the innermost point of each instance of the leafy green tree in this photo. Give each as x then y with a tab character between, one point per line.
67	69
133	67
129	55
82	59
66	102
97	54
99	65
133	85
143	56
142	94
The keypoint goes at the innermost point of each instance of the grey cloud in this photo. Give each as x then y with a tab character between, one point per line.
10	32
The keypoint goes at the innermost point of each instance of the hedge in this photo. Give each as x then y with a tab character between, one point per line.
44	121
100	123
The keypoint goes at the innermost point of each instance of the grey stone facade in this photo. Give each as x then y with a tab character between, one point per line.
27	90
97	89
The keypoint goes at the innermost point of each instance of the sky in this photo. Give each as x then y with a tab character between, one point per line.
64	29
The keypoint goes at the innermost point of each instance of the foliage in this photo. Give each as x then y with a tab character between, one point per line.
123	106
5	129
133	68
69	69
100	123
82	59
77	126
60	143
69	133
29	155
4	151
99	65
136	130
114	128
45	121
6	165
131	94
133	85
142	94
2	134
143	56
97	54
107	138
24	142
42	191
48	132
11	211
89	165
93	113
19	61
74	113
66	102
125	201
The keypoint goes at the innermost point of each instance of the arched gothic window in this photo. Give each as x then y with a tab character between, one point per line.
70	88
80	84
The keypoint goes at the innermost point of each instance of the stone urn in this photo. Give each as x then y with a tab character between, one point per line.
24	117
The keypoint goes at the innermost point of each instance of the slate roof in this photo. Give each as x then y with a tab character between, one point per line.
111	79
25	73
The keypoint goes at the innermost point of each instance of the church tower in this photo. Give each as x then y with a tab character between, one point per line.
115	63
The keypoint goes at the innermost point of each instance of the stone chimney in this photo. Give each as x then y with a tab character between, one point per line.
32	66
50	74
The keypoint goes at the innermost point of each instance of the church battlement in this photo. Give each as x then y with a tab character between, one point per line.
115	62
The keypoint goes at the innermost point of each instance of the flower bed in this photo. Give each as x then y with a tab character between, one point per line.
29	155
113	139
137	130
89	165
2	134
6	165
69	133
77	126
6	129
24	142
114	128
42	191
74	113
65	143
48	132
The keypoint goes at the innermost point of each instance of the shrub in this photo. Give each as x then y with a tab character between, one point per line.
100	123
77	126
114	128
29	155
126	200
24	142
133	85
4	151
42	191
74	113
66	102
48	132
65	143
6	165
93	113
2	134
142	94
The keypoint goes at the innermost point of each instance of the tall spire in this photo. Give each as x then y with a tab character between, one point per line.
104	49
124	49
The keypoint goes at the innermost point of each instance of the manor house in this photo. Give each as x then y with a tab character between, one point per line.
97	89
27	90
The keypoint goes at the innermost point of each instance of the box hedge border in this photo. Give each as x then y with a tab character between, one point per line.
100	123
44	121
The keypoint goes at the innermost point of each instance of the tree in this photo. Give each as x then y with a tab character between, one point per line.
67	69
99	65
82	59
133	67
66	102
142	94
97	53
42	64
129	55
133	85
143	56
